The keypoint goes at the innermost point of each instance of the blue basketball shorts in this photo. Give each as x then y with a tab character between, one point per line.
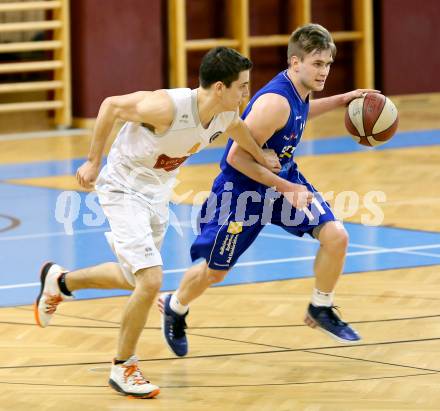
231	219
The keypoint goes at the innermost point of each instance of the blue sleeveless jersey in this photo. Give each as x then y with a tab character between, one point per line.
228	225
283	142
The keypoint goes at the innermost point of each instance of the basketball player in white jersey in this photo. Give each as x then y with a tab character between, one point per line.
163	128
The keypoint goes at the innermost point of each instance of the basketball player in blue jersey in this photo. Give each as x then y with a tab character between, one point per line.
276	117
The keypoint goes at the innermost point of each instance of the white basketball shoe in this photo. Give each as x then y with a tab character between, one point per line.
127	379
50	294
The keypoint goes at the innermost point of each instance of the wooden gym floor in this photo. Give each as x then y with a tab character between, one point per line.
249	349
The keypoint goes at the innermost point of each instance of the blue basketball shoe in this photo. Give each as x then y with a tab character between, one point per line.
173	327
328	322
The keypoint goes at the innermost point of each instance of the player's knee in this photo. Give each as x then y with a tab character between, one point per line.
215	276
340	241
335	237
149	280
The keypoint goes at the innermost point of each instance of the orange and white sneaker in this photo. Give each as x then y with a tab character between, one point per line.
50	294
127	379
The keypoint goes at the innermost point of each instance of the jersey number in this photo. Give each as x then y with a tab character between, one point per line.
287	151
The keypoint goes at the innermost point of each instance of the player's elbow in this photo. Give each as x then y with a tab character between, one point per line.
232	158
109	106
235	158
107	103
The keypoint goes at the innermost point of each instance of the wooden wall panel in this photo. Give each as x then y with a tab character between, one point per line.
117	47
409	34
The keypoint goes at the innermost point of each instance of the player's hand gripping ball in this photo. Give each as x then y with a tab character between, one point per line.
371	119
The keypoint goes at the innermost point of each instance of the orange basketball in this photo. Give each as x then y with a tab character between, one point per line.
372	119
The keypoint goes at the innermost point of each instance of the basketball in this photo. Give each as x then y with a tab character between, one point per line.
372	119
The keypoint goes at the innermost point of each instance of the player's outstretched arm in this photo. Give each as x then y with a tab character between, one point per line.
322	105
149	107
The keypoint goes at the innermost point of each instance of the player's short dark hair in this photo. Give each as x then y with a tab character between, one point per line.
308	38
222	64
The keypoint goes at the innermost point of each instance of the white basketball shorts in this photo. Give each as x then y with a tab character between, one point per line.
137	227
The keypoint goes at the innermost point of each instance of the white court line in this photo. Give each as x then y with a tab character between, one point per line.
186	224
372	250
25	285
274	261
55	234
416	201
407	250
403	250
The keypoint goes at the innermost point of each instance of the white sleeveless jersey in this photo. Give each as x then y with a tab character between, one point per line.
139	157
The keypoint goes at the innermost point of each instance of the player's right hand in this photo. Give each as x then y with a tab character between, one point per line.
298	195
351	95
86	174
272	160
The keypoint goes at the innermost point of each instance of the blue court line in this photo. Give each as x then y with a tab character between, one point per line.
335	145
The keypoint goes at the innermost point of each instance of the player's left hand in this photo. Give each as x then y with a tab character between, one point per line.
86	174
351	95
272	160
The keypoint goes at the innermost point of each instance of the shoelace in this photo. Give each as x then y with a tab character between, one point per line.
333	317
134	372
178	326
52	302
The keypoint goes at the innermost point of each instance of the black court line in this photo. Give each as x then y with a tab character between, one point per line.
303	382
311	350
287	349
219	286
78	317
217	327
59	385
294	294
413	297
94	327
232	386
278	350
372	361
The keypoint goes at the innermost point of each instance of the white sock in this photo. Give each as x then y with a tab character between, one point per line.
176	306
321	299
